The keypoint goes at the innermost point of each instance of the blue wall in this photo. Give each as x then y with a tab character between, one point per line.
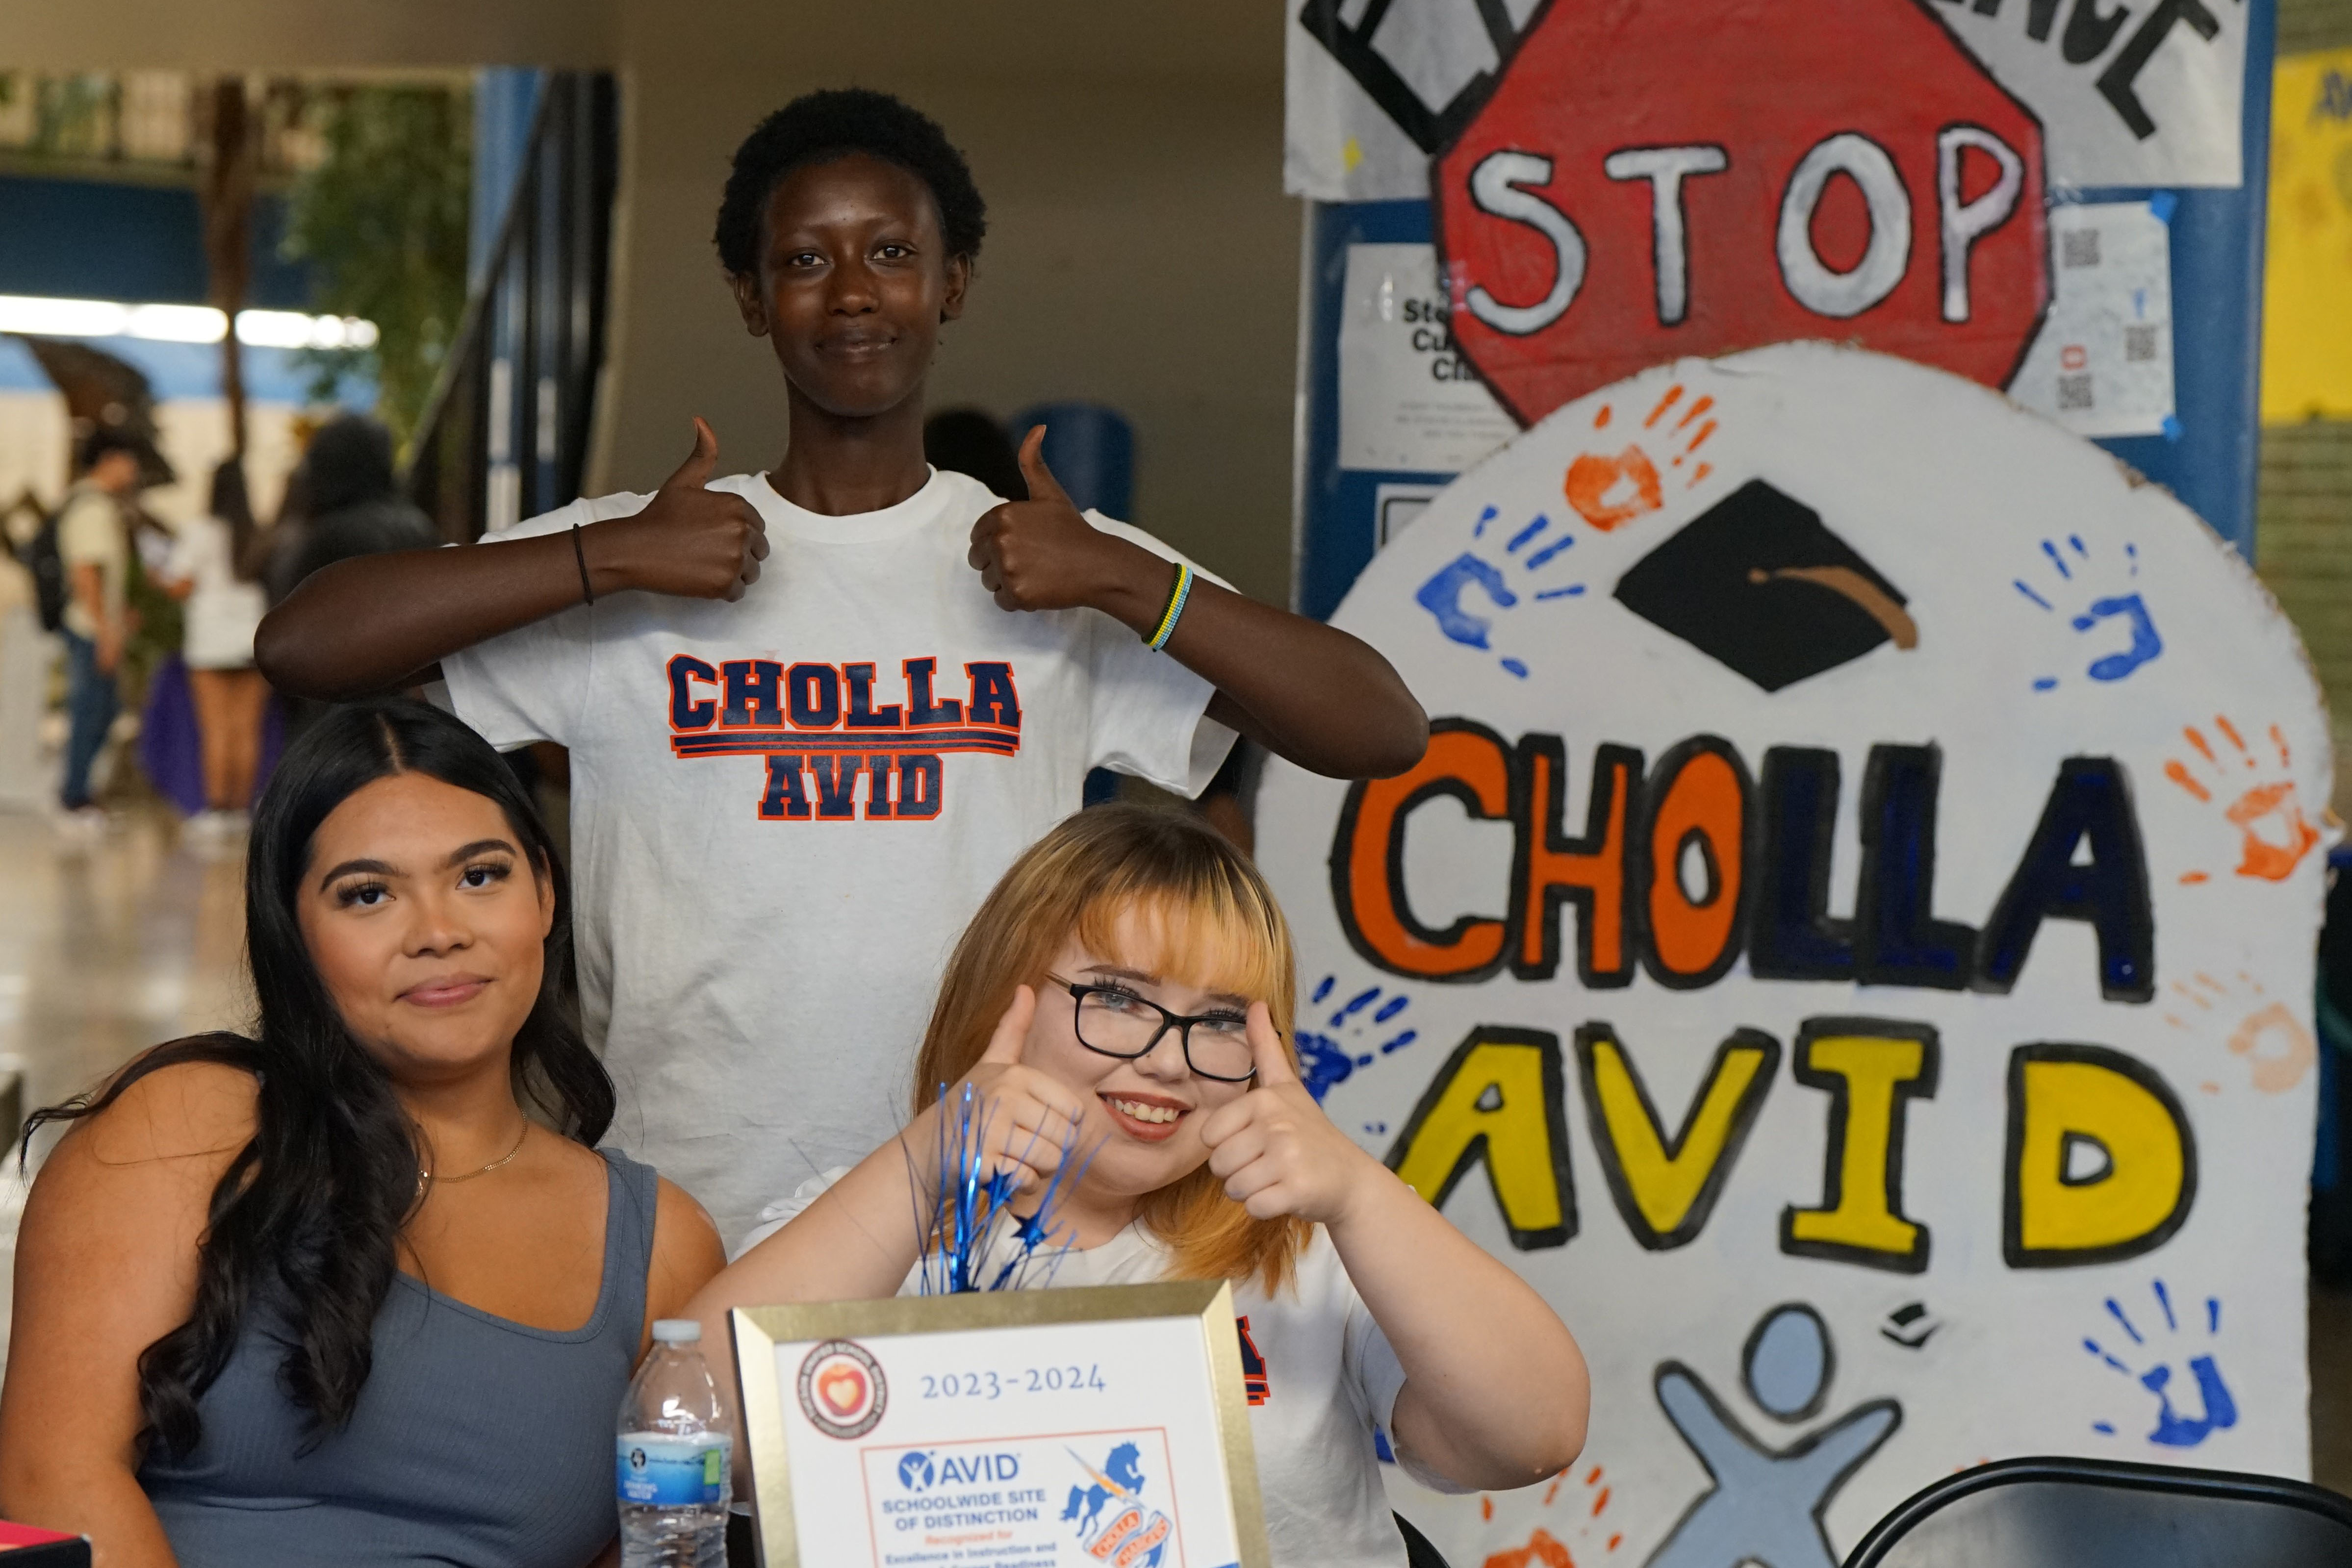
94	239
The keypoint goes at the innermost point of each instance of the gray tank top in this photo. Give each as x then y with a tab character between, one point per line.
477	1440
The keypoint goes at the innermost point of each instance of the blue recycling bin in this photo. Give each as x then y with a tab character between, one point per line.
1091	449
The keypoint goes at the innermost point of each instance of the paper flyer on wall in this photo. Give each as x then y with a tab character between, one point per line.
2307	259
1409	402
2103	364
1372	91
2128	95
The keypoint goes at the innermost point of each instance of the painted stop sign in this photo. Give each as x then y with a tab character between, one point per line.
1653	180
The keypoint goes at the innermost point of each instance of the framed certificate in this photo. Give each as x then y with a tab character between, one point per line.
1066	1428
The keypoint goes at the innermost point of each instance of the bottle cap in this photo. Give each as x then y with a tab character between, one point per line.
676	1331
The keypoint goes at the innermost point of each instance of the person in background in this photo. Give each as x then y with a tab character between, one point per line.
351	499
1230	803
359	1288
211	571
94	544
343	501
971	441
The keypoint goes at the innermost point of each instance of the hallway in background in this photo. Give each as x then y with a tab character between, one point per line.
103	952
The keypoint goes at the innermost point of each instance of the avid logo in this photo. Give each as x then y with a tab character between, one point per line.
824	727
920	1470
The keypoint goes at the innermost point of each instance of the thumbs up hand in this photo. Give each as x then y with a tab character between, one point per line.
690	541
1042	554
1026	1117
1276	1150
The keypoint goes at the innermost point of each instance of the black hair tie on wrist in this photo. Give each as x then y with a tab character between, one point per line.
587	594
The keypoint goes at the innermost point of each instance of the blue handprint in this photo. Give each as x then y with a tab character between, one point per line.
1325	1059
2173	1429
2077	572
1442	594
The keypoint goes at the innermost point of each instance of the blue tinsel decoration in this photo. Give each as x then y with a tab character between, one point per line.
971	1210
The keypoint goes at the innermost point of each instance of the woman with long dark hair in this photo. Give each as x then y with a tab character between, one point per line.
357	1288
213	572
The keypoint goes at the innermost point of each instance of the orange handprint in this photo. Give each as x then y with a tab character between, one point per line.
1544	1550
2277	834
1540	1552
2277	1047
1608	490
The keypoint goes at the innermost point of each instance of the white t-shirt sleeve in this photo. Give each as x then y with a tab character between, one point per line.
784	1210
1148	714
91	532
1379	1377
531	683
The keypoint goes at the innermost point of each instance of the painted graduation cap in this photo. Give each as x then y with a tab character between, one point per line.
1760	584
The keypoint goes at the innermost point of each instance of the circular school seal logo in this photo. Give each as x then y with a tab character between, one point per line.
842	1390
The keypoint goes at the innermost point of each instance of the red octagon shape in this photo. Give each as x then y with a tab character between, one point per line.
1651	180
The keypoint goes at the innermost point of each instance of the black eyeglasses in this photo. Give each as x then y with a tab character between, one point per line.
1113	1020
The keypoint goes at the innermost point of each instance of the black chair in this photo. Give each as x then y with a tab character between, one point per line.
2092	1514
1417	1551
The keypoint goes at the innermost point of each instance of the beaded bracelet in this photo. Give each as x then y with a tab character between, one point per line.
1167	628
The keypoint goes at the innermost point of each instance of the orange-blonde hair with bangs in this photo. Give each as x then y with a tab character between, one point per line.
1217	926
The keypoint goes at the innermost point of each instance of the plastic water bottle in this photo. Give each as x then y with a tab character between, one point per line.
673	1458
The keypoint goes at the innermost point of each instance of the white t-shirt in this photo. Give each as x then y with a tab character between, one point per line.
1321	1376
222	611
786	809
91	531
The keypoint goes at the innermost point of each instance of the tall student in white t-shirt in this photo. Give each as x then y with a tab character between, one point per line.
1123	999
814	712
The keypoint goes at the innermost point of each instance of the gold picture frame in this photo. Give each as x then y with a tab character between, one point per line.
758	1331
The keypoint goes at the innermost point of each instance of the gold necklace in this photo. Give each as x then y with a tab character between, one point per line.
425	1178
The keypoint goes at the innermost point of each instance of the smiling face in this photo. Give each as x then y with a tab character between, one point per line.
1145	1113
427	924
853	283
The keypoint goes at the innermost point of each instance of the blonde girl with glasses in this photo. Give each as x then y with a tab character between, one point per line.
1123	999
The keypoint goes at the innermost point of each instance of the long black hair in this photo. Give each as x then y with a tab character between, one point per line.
306	1221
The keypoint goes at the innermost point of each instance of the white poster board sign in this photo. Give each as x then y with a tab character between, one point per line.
1850	945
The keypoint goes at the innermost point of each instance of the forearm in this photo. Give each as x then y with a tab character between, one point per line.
106	1505
854	1243
90	592
369	623
1304	690
1496	1392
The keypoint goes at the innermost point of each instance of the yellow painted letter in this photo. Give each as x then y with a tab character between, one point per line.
1665	1187
1496	1098
1871	1068
2102	1165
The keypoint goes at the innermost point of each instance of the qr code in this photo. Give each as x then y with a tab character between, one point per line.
2075	391
2140	342
2079	247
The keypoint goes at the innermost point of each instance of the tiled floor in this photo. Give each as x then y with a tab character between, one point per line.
138	940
